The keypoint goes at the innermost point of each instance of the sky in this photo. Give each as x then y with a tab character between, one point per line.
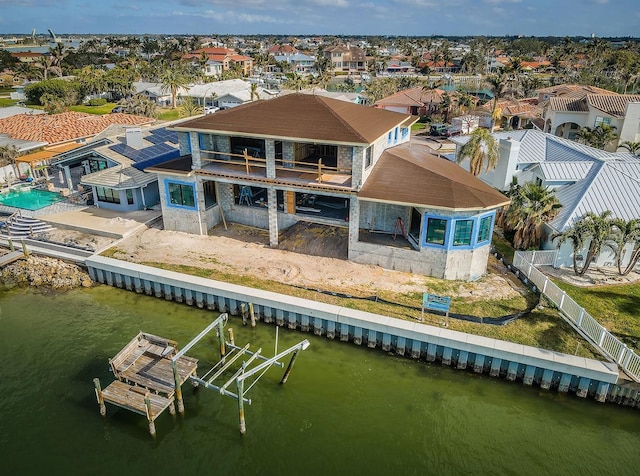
325	17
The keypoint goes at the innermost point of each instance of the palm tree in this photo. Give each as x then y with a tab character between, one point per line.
532	205
633	147
598	137
58	55
482	147
576	235
8	155
47	64
139	105
173	77
189	107
626	232
599	230
253	92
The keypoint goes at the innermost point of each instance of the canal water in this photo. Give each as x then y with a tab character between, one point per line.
344	410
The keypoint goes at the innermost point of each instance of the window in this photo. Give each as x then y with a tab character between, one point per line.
436	231
462	232
484	232
368	157
404	132
129	196
181	195
602	120
107	195
389	137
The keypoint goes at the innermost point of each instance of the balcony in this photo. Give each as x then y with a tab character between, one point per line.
310	173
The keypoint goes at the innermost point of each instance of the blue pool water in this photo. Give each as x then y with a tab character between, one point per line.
29	199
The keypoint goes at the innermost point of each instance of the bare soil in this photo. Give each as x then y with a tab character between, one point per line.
312	256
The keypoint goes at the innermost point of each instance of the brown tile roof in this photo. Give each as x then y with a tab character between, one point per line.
568	104
580	89
302	116
615	106
63	127
410	175
413	97
515	107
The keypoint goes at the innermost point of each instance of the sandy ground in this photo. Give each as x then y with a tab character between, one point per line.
595	276
245	251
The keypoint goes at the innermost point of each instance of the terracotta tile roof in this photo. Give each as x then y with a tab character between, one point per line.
568	104
413	97
302	116
46	154
512	107
615	106
410	175
64	127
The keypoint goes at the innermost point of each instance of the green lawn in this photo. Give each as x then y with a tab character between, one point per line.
168	114
104	109
6	102
541	328
616	307
503	247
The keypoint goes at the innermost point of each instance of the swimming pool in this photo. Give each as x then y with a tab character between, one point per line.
29	198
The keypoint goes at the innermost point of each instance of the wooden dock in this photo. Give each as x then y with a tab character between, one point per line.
148	380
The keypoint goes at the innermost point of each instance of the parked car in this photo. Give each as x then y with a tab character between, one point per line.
452	131
437	129
118	109
211	109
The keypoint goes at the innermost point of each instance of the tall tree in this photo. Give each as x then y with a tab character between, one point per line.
8	155
598	137
173	77
532	205
253	92
481	149
48	65
633	147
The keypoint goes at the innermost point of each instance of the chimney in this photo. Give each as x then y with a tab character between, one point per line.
133	137
507	162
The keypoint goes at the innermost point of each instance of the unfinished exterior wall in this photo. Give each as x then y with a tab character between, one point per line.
379	147
382	216
180	218
344	159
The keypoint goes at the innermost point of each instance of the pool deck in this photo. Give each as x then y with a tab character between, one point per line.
102	222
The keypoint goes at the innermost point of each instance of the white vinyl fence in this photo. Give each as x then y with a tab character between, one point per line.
609	345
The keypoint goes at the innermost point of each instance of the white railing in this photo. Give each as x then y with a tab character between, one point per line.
608	344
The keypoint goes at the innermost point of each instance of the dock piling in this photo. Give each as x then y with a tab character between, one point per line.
285	376
243	426
176	378
243	311
252	315
152	425
231	341
103	408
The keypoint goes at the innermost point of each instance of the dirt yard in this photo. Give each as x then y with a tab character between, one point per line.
312	256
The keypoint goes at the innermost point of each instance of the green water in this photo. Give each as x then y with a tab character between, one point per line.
344	410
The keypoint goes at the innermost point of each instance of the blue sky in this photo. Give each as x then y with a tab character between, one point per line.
349	17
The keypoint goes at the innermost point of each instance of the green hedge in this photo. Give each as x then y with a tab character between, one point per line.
97	102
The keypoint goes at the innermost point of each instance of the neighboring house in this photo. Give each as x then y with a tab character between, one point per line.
415	101
110	167
399	68
299	62
282	50
584	179
156	92
568	108
213	69
346	59
271	164
225	94
27	56
514	113
52	129
225	56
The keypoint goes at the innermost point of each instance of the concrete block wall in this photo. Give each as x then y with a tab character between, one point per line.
357	166
385	215
467	265
270	151
221	143
287	152
183	143
344	159
179	219
195	150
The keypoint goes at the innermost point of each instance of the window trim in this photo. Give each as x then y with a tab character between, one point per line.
168	182
461	245
445	238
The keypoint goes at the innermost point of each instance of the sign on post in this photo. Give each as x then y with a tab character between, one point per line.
433	302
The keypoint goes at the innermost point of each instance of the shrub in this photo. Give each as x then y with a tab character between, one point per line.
97	102
65	91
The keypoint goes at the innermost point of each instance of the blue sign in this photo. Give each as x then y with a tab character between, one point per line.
435	303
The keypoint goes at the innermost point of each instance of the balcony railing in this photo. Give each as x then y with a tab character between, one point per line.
250	163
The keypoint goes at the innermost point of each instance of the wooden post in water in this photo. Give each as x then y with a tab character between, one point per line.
11	247
176	378
152	425
289	367
231	341
24	249
252	315
243	426
223	348
243	311
103	408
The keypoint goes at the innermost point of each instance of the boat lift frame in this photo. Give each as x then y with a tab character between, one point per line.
227	359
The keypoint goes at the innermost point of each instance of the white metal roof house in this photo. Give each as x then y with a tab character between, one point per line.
585	179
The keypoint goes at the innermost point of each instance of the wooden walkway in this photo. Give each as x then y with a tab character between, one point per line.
145	377
10	258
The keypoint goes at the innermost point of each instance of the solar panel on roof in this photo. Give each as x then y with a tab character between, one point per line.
138	155
158	136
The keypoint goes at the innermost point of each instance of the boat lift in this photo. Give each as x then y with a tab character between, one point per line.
249	373
150	372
